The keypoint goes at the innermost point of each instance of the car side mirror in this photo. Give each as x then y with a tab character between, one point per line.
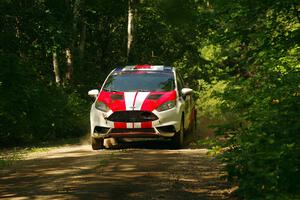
93	93
186	91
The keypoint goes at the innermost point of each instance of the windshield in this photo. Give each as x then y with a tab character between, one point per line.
139	81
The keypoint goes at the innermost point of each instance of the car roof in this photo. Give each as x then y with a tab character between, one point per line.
153	68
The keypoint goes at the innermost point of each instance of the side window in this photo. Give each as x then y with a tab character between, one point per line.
179	83
182	81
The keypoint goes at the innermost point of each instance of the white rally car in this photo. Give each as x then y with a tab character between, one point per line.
142	101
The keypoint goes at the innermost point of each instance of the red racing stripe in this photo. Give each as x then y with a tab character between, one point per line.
151	104
146	125
142	67
120	124
113	104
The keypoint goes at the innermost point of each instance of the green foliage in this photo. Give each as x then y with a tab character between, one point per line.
8	159
241	57
34	111
263	140
209	101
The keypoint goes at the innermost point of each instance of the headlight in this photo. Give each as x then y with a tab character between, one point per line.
166	106
101	106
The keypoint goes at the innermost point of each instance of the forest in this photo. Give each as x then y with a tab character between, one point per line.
241	57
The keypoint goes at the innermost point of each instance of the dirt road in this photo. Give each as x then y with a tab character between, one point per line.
134	172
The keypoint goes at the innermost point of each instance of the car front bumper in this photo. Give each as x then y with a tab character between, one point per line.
167	124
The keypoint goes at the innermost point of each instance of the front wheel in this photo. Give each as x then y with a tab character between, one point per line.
177	140
97	143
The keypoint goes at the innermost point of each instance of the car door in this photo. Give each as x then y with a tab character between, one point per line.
186	101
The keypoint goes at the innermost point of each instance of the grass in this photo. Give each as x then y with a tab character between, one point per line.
7	159
9	156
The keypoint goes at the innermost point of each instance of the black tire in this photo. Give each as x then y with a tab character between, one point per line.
97	143
177	140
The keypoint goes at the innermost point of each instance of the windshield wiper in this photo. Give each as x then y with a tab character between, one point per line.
110	90
142	90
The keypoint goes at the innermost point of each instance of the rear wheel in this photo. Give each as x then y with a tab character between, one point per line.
177	140
97	143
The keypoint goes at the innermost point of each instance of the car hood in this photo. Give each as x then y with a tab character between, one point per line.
127	101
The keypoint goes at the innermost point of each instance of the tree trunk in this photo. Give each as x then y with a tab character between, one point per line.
56	68
130	29
82	40
18	36
69	71
74	14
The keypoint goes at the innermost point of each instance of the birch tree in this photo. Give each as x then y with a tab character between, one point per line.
56	67
130	29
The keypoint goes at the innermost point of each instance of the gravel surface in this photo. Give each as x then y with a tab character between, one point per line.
145	170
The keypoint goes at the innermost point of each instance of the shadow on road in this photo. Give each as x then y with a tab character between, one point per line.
139	171
151	144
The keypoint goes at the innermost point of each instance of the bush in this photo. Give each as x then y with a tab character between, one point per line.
209	101
263	156
210	114
33	111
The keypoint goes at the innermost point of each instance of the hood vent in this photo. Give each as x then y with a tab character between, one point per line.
154	96
116	97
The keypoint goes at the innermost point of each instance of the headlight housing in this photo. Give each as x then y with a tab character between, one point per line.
166	106
99	105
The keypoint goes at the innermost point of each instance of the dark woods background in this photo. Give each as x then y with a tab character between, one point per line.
241	57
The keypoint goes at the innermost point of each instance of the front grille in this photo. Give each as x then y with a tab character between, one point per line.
132	116
132	130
